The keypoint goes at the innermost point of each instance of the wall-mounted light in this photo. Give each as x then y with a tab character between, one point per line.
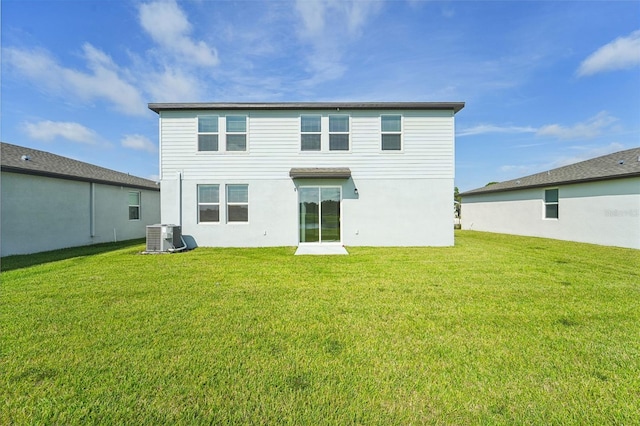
355	191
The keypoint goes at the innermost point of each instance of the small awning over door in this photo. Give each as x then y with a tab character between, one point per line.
320	172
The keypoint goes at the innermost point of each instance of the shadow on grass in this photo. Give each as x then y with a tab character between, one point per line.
19	261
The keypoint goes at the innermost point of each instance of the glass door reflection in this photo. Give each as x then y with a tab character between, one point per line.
319	214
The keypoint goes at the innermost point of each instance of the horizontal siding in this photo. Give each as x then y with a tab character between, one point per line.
274	138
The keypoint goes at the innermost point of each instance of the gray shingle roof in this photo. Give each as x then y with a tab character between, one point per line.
613	166
455	106
13	158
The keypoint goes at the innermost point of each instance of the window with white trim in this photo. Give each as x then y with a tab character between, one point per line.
207	133
134	205
236	132
310	132
237	203
208	203
338	133
551	203
391	132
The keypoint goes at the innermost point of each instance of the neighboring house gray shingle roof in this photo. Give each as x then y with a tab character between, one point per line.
18	159
455	106
613	166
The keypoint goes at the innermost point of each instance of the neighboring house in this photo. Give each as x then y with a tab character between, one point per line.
289	174
50	202
595	201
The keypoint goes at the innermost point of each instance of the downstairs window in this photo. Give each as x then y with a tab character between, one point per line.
237	203
134	205
208	203
551	203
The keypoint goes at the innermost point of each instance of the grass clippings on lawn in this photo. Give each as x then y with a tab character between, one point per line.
496	330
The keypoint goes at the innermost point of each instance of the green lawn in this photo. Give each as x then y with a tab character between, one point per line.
496	330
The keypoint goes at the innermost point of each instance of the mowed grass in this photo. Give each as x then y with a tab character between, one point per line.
496	330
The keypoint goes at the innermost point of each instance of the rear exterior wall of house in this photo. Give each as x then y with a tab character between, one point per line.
394	197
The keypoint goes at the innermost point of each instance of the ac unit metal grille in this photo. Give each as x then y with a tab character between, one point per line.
154	238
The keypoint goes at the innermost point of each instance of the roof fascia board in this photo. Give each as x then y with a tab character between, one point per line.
455	106
10	169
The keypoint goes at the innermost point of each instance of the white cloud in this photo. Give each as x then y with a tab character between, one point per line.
589	129
105	80
32	63
622	53
353	14
138	142
312	14
50	130
173	85
168	26
329	26
490	128
164	75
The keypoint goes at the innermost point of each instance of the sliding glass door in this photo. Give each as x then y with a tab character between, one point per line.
319	214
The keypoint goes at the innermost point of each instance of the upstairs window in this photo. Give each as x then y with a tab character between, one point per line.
551	203
391	126
338	133
207	133
208	203
310	131
134	205
236	133
237	203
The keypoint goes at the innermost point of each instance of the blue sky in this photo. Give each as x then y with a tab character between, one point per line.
546	83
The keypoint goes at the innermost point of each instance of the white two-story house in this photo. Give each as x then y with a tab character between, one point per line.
293	174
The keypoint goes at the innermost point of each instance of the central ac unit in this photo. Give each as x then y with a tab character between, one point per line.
164	238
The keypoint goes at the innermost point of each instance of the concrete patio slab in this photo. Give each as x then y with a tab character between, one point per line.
321	249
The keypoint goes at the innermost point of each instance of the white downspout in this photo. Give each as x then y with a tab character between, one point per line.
184	244
180	199
92	209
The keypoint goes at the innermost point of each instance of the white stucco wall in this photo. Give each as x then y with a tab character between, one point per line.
397	212
41	213
404	197
604	212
